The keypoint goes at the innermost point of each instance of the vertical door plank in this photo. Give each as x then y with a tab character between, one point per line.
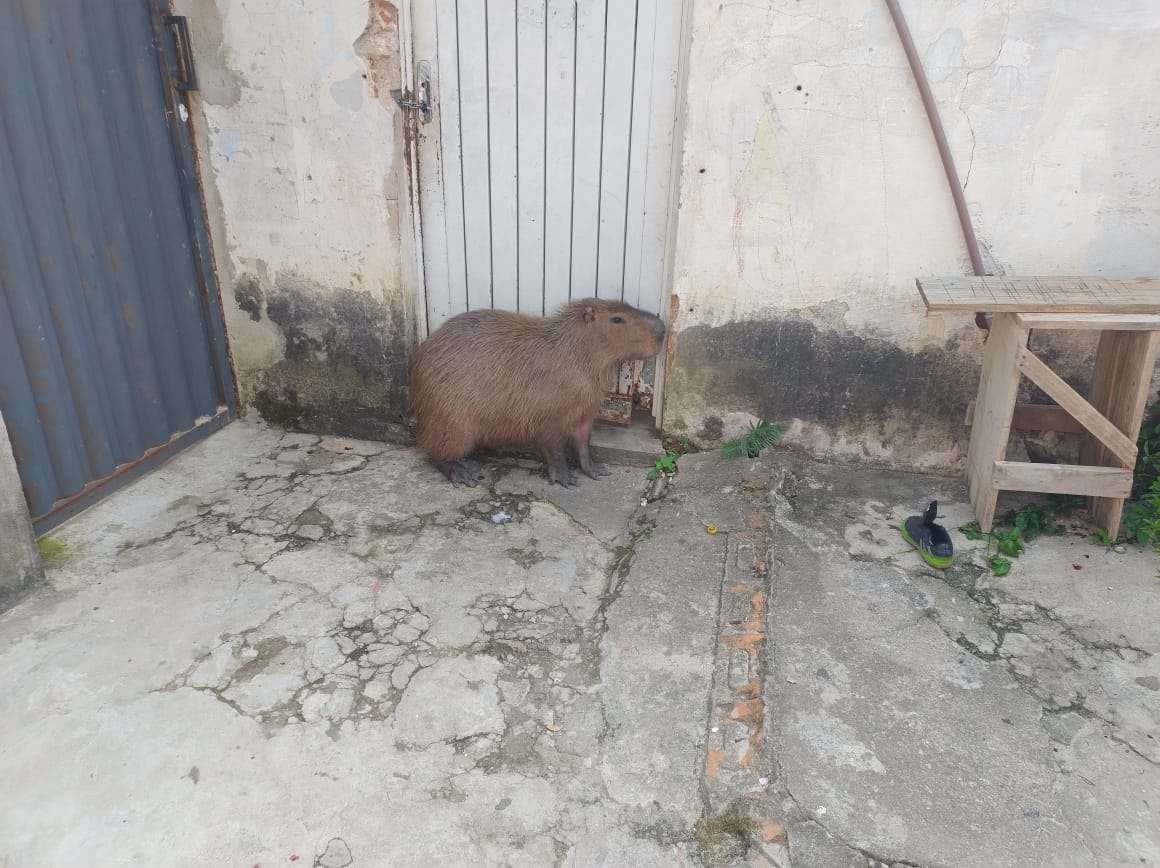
591	20
451	152
638	166
436	285
473	129
559	101
620	51
552	175
662	167
531	117
503	150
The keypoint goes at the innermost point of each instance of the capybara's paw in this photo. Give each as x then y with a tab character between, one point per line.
596	470
560	473
463	472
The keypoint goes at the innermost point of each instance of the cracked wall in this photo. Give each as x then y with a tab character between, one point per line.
812	196
300	148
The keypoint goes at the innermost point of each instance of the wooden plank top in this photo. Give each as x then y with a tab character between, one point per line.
1106	322
1041	294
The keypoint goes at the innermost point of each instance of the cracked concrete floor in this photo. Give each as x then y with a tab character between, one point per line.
279	648
284	649
957	718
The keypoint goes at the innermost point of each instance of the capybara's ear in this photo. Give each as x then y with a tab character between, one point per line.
589	313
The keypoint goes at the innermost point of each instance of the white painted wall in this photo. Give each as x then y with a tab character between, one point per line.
300	148
821	204
811	182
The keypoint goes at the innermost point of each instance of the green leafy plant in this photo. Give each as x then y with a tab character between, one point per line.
1142	517
760	436
1015	529
1101	537
1034	520
1148	454
1009	541
1142	512
999	565
666	465
972	531
679	443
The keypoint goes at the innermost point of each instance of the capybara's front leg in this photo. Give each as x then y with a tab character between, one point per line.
462	472
592	469
556	460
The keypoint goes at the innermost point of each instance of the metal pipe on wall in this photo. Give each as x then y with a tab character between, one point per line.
940	139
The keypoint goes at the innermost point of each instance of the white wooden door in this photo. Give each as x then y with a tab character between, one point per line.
548	163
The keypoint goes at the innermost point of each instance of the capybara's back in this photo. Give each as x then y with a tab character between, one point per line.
494	378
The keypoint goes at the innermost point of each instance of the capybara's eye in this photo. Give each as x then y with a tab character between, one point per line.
618	319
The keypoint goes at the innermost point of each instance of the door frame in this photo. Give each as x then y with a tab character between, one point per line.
179	119
179	116
414	276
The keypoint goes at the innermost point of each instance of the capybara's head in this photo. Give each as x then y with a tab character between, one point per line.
622	331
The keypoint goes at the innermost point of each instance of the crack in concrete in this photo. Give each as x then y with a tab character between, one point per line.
1062	663
388	646
710	698
640	526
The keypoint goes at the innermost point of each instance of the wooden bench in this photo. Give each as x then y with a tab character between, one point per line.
1127	315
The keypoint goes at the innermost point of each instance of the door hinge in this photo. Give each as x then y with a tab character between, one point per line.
419	100
187	74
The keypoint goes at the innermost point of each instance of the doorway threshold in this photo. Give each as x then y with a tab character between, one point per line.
636	444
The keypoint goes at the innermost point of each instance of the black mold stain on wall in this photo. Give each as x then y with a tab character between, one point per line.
345	367
782	369
855	385
248	295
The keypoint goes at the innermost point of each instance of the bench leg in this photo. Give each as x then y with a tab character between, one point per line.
1120	385
994	406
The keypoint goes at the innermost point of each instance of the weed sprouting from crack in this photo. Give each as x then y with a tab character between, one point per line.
724	837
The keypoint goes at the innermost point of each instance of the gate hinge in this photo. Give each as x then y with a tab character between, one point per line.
419	100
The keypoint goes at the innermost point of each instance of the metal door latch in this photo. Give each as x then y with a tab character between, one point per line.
420	99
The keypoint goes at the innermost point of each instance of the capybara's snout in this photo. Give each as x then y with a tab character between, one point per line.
656	331
657	326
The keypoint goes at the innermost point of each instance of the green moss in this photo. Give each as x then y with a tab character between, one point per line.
53	552
724	837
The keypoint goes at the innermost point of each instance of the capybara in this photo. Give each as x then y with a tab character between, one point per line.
495	378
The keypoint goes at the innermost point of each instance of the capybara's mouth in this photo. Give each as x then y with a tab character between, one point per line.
659	331
658	345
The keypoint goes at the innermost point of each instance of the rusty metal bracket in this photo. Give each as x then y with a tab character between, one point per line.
179	26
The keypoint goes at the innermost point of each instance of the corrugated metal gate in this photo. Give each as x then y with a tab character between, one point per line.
112	351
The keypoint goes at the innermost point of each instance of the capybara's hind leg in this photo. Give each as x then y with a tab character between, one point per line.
560	472
449	451
593	469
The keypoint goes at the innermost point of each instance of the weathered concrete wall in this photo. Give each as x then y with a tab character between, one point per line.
20	564
301	150
812	196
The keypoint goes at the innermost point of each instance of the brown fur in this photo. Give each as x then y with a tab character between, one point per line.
494	378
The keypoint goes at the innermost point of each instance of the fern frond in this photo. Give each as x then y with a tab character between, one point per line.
764	435
734	449
760	436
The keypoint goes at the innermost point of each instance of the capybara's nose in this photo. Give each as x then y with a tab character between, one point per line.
658	328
